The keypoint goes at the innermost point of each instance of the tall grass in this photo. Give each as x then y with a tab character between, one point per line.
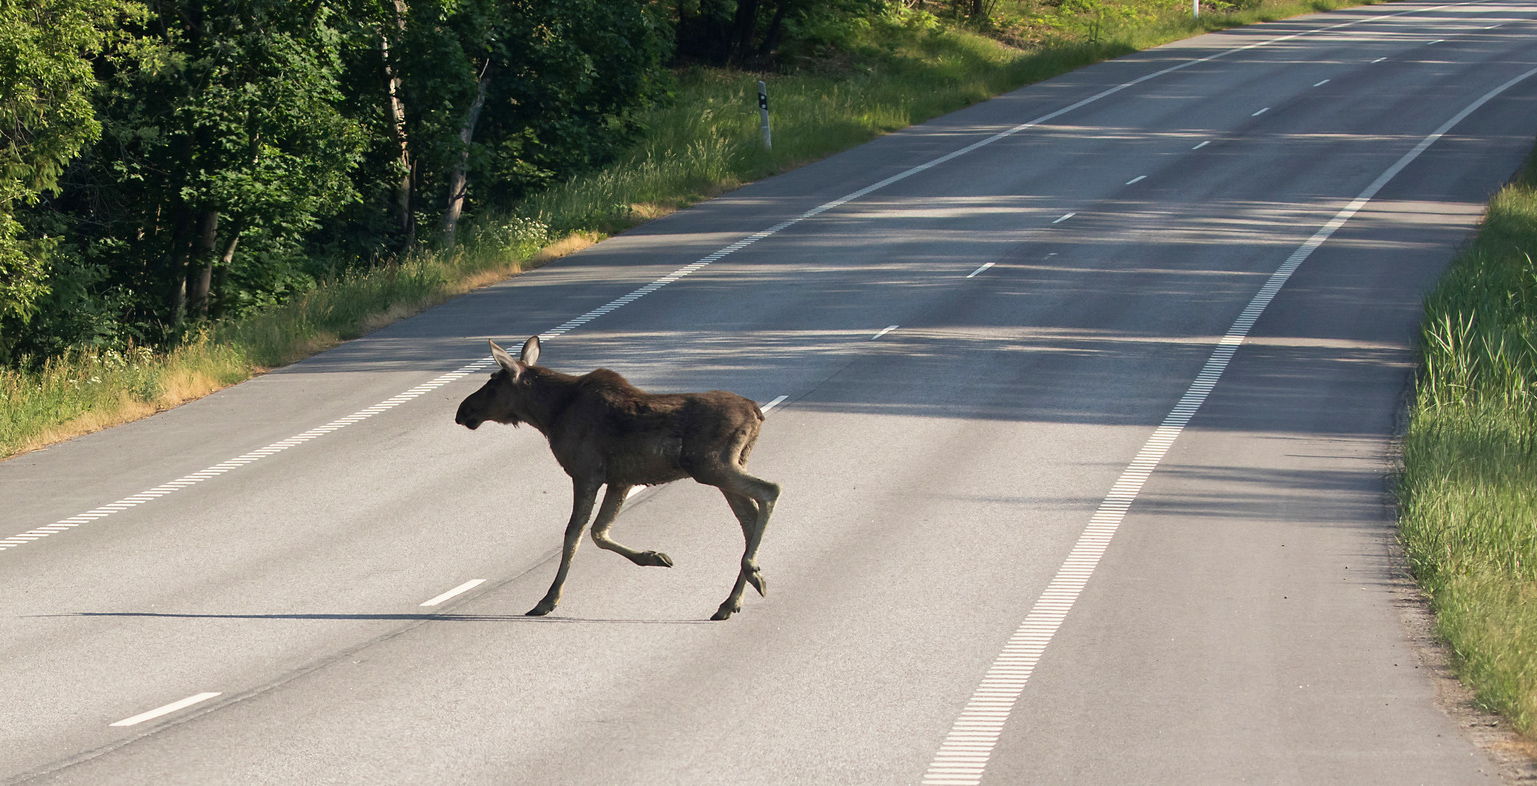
1468	492
702	143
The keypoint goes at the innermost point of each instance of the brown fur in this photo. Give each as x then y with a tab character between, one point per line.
605	431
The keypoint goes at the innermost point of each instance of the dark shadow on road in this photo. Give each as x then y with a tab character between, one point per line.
547	620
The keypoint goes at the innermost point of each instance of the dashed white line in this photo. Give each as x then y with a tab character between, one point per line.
455	592
883	331
963	755
1064	218
985	266
1261	112
1137	179
1321	84
166	710
1380	59
776	402
1203	144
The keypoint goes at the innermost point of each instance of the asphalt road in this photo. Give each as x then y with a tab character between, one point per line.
936	609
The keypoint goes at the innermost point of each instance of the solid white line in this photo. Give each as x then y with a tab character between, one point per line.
883	331
1137	179
776	402
166	710
1203	144
1320	84
1005	680
818	210
459	590
1261	112
1064	218
980	269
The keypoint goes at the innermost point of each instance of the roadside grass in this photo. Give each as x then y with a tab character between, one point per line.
1468	489
702	143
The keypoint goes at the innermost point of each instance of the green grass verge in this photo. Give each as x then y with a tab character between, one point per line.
1468	491
702	143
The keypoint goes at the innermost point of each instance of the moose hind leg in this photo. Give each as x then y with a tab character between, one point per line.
746	510
752	500
584	493
613	500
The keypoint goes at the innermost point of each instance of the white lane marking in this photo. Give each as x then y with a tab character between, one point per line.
1321	84
1261	112
963	756
1137	179
1203	144
883	331
1064	218
980	269
248	458
776	402
1380	59
1437	41
455	592
166	710
737	246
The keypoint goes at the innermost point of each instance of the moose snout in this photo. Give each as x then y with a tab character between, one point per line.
466	419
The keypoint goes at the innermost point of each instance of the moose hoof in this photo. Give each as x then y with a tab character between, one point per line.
758	583
657	559
542	609
726	610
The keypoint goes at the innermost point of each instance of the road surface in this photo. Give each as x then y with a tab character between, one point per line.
1083	410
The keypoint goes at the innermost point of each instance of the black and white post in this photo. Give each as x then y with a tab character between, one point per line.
768	138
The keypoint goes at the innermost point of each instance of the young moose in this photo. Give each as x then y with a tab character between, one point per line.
603	430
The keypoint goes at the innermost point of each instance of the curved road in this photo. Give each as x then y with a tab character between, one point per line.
1084	405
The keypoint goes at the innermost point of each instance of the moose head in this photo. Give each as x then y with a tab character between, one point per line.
509	396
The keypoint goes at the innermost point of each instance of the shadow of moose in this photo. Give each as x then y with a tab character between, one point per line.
605	431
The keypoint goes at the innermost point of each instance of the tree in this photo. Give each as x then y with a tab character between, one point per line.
505	96
46	118
230	129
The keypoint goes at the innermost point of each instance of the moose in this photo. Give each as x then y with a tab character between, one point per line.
605	431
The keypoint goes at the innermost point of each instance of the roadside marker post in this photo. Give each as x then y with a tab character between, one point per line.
768	139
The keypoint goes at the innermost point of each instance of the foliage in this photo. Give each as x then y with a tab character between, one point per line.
46	118
1468	489
209	159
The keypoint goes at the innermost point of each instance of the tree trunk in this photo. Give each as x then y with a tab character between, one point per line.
744	29
397	114
771	38
233	231
458	183
207	244
180	254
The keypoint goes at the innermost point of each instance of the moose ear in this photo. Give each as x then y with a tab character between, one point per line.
505	360
531	351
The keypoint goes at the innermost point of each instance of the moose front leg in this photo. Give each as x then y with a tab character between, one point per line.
613	500
585	493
